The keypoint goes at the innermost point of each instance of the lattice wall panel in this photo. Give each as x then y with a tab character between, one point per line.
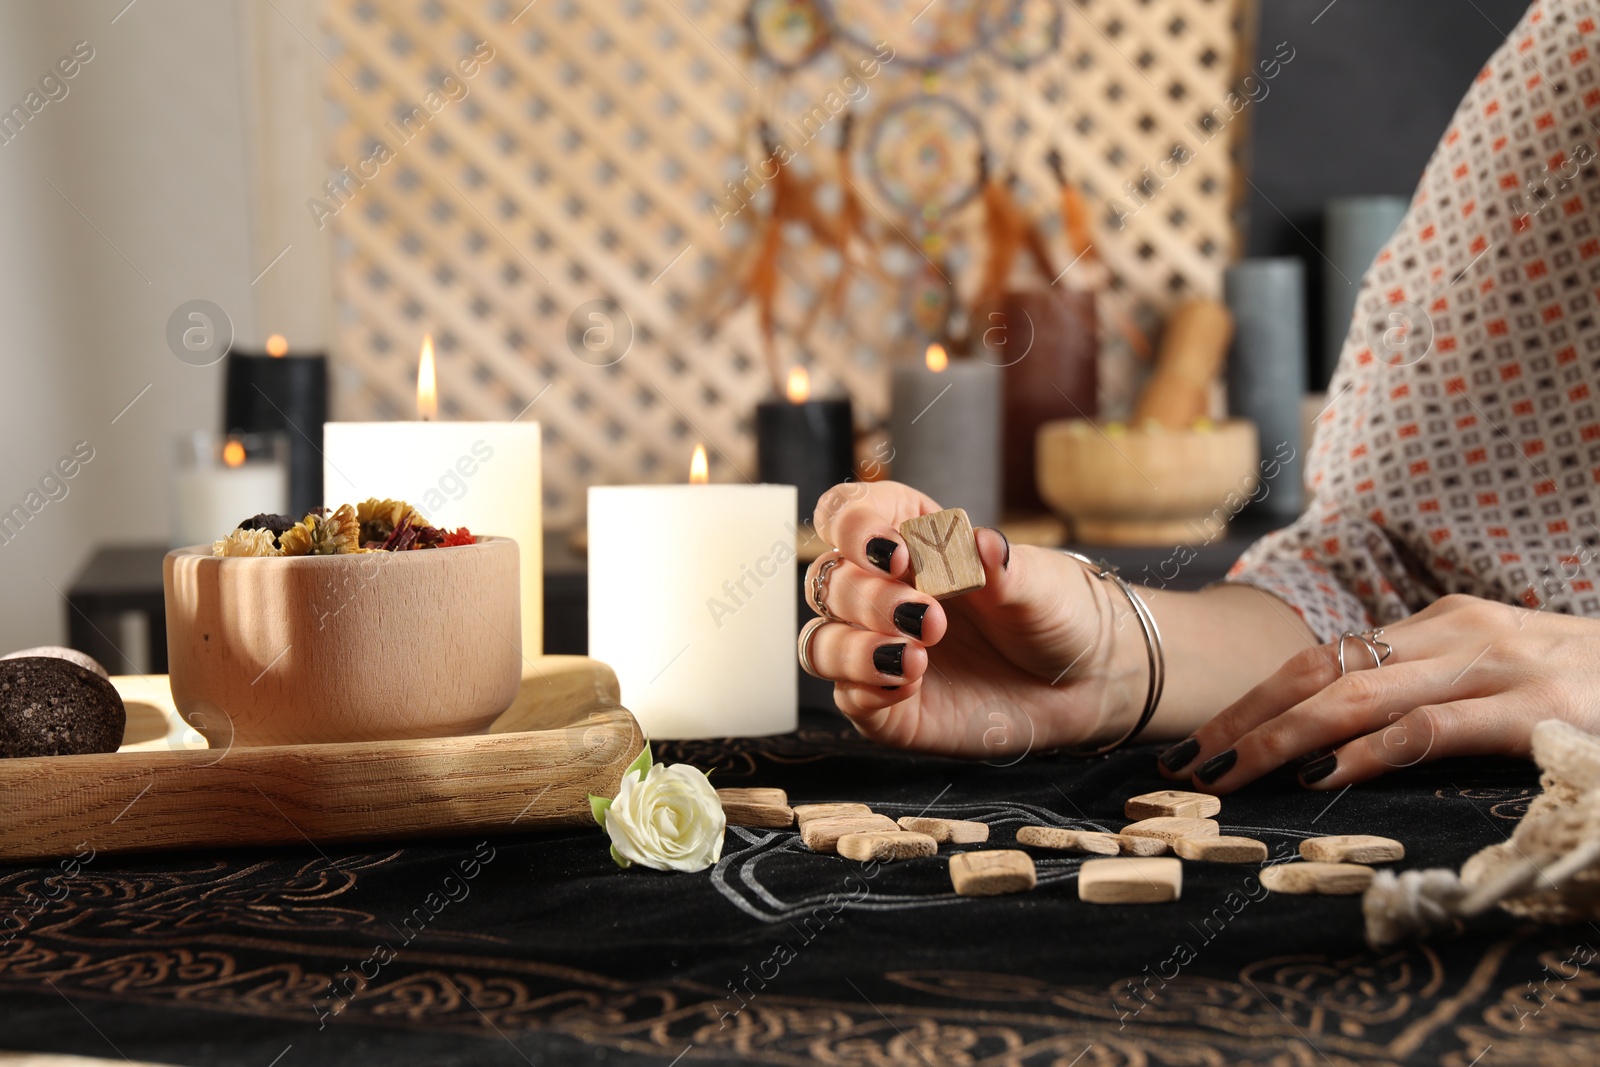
587	161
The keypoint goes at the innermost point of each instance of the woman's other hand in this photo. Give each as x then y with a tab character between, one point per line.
1466	677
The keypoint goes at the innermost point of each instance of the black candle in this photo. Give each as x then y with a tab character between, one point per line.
809	444
285	394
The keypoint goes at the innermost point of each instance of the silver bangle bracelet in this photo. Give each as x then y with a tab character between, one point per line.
1153	649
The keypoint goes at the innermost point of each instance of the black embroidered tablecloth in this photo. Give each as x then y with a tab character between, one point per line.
536	949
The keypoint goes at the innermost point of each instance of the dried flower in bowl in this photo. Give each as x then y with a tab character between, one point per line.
243	542
324	535
380	518
371	526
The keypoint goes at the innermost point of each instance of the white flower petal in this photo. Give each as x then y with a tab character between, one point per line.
668	819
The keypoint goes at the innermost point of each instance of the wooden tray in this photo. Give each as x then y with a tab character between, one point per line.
566	736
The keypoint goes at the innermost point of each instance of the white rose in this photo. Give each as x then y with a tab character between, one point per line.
665	817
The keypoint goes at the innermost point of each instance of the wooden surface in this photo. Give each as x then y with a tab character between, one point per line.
885	846
944	553
1326	879
564	737
1177	802
822	835
362	647
1170	828
1131	880
1070	840
1353	848
1221	849
766	808
990	874
946	831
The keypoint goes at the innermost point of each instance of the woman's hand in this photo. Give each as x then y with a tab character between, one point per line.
1467	677
1029	662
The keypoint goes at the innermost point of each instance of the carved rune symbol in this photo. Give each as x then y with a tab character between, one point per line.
944	542
940	546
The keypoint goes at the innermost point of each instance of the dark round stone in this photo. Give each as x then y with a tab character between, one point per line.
51	707
71	655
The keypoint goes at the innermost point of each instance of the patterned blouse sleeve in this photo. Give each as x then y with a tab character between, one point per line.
1460	449
1324	566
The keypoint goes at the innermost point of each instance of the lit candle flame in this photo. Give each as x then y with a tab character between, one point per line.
937	358
277	346
233	454
699	469
427	383
799	386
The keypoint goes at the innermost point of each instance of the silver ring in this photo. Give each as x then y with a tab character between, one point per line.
1378	650
819	585
807	632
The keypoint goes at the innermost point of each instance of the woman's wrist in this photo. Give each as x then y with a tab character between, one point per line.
1117	686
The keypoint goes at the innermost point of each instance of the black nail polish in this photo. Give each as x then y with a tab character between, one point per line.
1005	564
880	553
1217	766
890	660
908	618
1180	754
1317	770
888	688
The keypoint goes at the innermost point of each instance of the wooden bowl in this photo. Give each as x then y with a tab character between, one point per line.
1142	487
364	647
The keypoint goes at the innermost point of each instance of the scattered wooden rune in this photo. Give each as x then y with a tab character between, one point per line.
1325	879
988	874
762	808
1131	880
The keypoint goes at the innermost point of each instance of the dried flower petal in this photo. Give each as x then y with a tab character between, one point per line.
242	542
345	530
323	534
380	518
457	537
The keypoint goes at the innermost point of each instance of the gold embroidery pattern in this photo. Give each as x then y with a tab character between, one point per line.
187	938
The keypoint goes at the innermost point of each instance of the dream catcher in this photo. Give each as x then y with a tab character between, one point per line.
849	232
788	33
1008	231
924	154
757	275
1023	32
923	34
925	157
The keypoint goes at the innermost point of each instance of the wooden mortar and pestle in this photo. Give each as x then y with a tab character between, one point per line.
1171	477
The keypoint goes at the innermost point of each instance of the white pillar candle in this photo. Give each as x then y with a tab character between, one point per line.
481	475
208	502
219	481
692	603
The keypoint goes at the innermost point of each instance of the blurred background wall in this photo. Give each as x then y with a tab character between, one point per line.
117	203
1359	112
